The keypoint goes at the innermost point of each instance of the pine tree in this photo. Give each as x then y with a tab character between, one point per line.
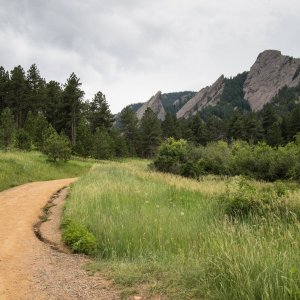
36	90
23	140
99	113
294	122
103	147
85	139
57	147
129	127
120	144
72	100
199	129
271	125
53	108
170	127
17	95
7	128
4	88
151	133
236	127
253	131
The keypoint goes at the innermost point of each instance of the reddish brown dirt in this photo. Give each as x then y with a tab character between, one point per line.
29	268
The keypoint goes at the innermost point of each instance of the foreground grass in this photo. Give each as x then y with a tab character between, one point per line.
170	235
22	167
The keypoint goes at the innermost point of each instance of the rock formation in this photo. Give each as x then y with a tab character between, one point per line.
270	72
209	95
155	104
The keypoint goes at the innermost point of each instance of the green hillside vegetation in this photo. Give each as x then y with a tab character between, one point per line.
232	99
187	239
21	167
169	99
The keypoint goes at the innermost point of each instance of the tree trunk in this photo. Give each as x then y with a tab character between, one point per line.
73	127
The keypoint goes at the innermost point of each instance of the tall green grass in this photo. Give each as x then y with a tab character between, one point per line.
171	236
18	167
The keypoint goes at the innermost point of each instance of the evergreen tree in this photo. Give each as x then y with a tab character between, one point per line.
285	129
103	147
99	113
39	130
129	127
151	133
271	125
217	129
120	144
57	147
72	100
17	95
85	139
4	88
199	129
54	106
23	140
294	122
7	128
253	131
170	127
30	125
236	127
36	90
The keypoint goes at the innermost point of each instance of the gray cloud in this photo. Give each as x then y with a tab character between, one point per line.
129	49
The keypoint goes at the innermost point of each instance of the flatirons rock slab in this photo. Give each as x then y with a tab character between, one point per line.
155	104
208	96
268	75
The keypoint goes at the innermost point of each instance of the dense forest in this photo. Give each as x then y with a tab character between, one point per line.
36	114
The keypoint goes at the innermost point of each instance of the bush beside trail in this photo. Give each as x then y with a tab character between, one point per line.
260	161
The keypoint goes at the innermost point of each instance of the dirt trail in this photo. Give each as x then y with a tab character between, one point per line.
30	269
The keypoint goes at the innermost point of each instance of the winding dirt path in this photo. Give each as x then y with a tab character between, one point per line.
30	269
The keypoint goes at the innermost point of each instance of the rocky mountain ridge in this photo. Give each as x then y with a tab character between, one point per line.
208	96
270	73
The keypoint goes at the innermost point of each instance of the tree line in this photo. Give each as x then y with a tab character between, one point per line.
35	112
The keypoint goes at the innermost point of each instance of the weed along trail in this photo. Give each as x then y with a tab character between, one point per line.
29	268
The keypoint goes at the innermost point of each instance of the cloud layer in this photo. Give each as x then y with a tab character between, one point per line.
129	49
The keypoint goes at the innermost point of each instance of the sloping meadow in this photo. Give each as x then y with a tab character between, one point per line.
176	237
17	167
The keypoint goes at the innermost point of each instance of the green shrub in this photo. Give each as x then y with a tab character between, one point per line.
171	156
259	161
23	140
243	198
78	238
57	148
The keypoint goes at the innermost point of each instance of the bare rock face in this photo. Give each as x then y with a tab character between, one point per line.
208	96
270	72
155	104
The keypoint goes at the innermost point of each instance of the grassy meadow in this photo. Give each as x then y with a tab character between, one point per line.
18	167
166	235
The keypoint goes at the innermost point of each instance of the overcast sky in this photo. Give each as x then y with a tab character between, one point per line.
130	49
